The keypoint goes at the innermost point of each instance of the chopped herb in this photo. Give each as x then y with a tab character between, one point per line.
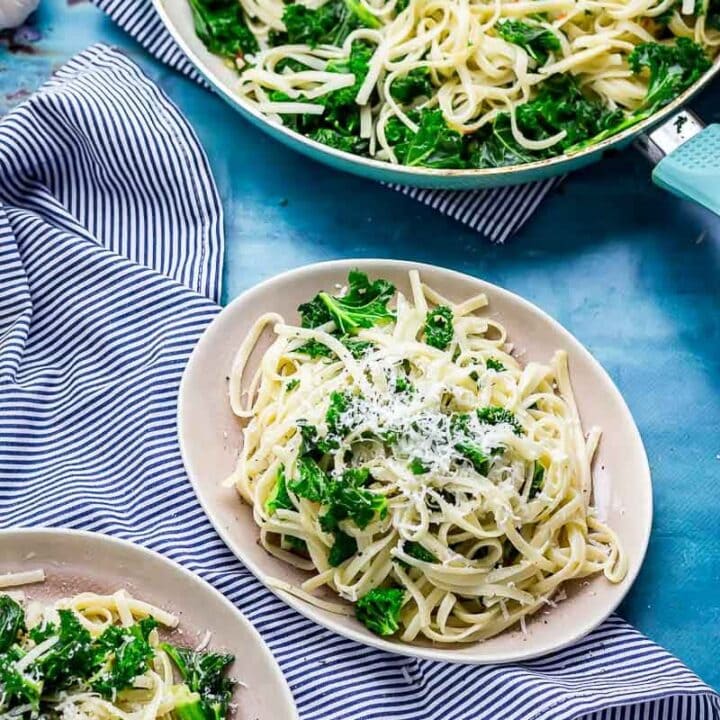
292	384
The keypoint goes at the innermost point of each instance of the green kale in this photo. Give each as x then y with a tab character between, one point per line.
296	544
417	551
334	139
416	83
671	69
364	305
418	467
339	404
72	658
125	653
204	674
494	415
439	327
18	688
221	25
314	348
379	610
347	499
279	498
12	621
472	452
537	41
538	480
312	482
402	384
434	145
344	547
496	365
329	24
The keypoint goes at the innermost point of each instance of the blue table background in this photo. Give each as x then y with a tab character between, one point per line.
633	272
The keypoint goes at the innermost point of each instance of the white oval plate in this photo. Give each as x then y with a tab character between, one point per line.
76	561
210	436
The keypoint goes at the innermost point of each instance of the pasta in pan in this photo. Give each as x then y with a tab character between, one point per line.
461	84
406	460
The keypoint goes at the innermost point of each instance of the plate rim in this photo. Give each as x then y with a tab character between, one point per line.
442	654
188	575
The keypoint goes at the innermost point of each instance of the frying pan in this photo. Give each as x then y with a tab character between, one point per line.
685	153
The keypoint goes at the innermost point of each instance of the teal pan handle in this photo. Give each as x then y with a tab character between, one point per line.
686	155
692	171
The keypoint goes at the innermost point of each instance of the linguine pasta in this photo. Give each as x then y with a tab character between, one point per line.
416	462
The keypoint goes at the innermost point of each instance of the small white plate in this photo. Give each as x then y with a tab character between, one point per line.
76	561
210	436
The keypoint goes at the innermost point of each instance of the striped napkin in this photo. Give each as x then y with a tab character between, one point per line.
497	214
111	245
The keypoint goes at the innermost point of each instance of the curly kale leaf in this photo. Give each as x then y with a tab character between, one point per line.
495	415
344	547
279	498
312	480
472	452
329	24
537	41
347	499
379	610
124	654
364	305
417	551
434	145
221	25
671	68
204	673
415	84
12	621
439	327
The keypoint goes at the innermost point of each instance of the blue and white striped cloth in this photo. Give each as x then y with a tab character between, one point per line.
111	243
497	214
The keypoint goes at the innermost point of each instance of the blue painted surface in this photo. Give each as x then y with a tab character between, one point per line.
632	271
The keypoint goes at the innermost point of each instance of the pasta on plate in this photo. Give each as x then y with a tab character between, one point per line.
461	84
102	657
397	451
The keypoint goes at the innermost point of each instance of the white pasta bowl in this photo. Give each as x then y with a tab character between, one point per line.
211	436
76	561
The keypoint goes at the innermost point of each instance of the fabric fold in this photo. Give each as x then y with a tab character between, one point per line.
110	267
